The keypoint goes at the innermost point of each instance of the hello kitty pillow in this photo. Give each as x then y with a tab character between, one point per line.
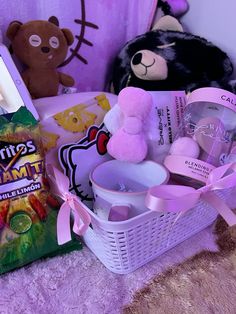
65	119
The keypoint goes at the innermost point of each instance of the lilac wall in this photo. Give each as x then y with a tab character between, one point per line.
216	21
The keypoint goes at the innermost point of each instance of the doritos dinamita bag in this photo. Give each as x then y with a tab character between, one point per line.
28	211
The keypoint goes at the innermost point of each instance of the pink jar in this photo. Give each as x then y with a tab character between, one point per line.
205	137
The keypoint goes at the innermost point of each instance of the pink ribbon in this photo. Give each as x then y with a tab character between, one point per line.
60	186
177	198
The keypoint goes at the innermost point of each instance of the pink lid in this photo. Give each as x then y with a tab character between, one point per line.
214	95
188	167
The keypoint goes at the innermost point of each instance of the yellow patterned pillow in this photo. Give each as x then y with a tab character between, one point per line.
49	139
75	119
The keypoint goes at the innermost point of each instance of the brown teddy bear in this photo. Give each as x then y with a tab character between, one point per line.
42	46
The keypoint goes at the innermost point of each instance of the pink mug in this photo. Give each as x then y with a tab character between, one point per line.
120	187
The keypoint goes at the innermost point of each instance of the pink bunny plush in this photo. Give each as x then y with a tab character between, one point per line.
129	142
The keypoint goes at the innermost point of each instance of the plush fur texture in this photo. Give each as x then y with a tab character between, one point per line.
129	143
185	146
41	46
191	62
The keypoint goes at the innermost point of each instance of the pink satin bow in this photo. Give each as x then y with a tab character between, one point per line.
60	186
129	142
177	198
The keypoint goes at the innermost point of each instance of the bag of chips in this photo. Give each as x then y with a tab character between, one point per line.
28	211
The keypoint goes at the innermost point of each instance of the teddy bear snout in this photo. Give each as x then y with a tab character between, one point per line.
148	65
45	49
143	58
137	58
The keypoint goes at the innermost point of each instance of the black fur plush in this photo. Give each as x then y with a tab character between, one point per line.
192	62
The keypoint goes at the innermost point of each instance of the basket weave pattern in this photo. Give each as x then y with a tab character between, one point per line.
125	246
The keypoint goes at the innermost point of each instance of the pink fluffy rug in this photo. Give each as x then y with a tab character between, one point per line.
78	283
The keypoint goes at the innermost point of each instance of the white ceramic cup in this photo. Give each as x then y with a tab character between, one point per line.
123	186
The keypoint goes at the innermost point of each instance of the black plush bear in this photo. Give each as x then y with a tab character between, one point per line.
167	58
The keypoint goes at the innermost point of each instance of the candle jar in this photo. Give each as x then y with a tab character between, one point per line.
205	137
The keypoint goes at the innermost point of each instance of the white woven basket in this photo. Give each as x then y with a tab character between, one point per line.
125	246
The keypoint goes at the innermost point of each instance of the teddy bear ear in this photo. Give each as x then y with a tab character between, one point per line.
168	23
13	29
53	20
68	35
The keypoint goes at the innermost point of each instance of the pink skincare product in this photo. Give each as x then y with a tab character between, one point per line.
205	136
